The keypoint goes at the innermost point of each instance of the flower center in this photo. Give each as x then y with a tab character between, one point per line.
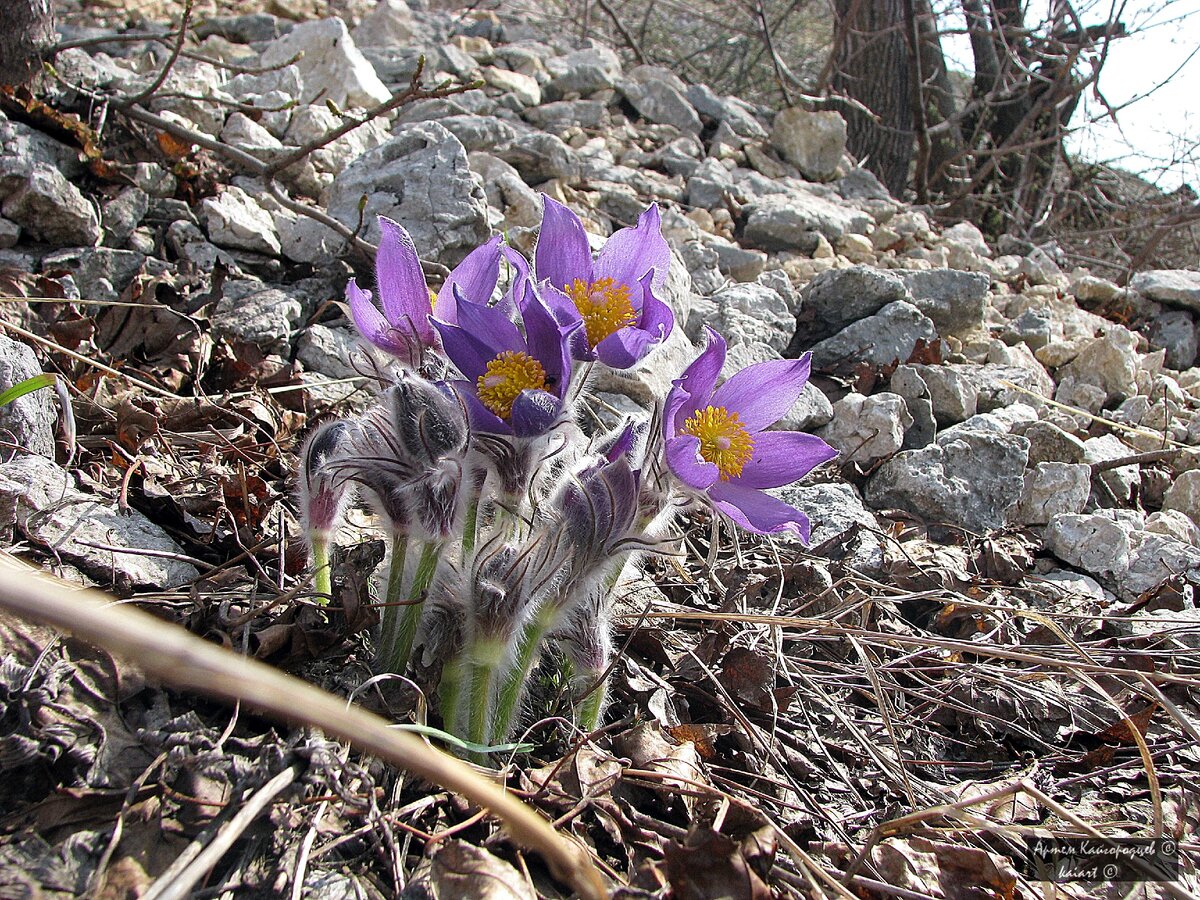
604	306
724	441
505	377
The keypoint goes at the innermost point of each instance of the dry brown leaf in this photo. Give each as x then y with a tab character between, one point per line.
709	865
463	870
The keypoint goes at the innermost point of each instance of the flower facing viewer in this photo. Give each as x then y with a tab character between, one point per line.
716	444
614	296
513	383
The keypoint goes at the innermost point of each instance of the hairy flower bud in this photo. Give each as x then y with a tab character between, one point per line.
322	491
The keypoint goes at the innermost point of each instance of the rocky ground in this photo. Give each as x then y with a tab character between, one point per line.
998	606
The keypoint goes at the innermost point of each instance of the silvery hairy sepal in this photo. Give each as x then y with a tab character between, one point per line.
323	491
507	584
410	455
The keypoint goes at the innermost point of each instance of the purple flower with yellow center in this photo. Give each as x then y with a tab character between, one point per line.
615	295
399	325
715	442
514	383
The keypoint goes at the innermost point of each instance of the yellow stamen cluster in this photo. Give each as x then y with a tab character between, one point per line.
724	441
505	377
604	306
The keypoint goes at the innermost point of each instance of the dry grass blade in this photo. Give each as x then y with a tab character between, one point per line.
182	660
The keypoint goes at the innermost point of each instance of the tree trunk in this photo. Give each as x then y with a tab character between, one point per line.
28	28
873	67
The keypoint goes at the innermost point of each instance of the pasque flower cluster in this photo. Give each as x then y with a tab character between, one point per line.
508	525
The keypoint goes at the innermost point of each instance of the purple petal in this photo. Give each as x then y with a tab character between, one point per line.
683	456
632	252
547	340
491	327
562	253
475	278
403	292
626	347
534	413
781	457
370	321
758	512
621	444
693	389
469	355
481	418
763	393
520	277
656	316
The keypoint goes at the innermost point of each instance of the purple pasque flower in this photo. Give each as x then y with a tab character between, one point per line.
715	442
399	325
615	296
514	383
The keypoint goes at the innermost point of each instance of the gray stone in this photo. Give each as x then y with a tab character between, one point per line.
1035	328
329	351
793	221
1174	524
1184	495
1121	480
752	313
1178	287
484	133
189	244
1039	267
1049	443
507	192
867	429
1109	363
10	233
889	335
1113	548
105	272
836	511
908	383
834	299
1095	543
332	67
540	157
1054	488
522	88
659	96
1175	332
955	301
21	142
701	261
969	236
123	214
250	311
27	421
233	219
811	410
245	134
954	397
813	142
40	499
735	113
583	72
737	262
709	184
420	177
565	113
47	206
994	384
972	479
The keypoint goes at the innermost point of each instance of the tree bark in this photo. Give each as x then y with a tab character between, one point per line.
873	67
28	28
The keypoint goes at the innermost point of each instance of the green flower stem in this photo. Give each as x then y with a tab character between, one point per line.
593	703
487	654
410	613
322	572
518	677
390	617
450	693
